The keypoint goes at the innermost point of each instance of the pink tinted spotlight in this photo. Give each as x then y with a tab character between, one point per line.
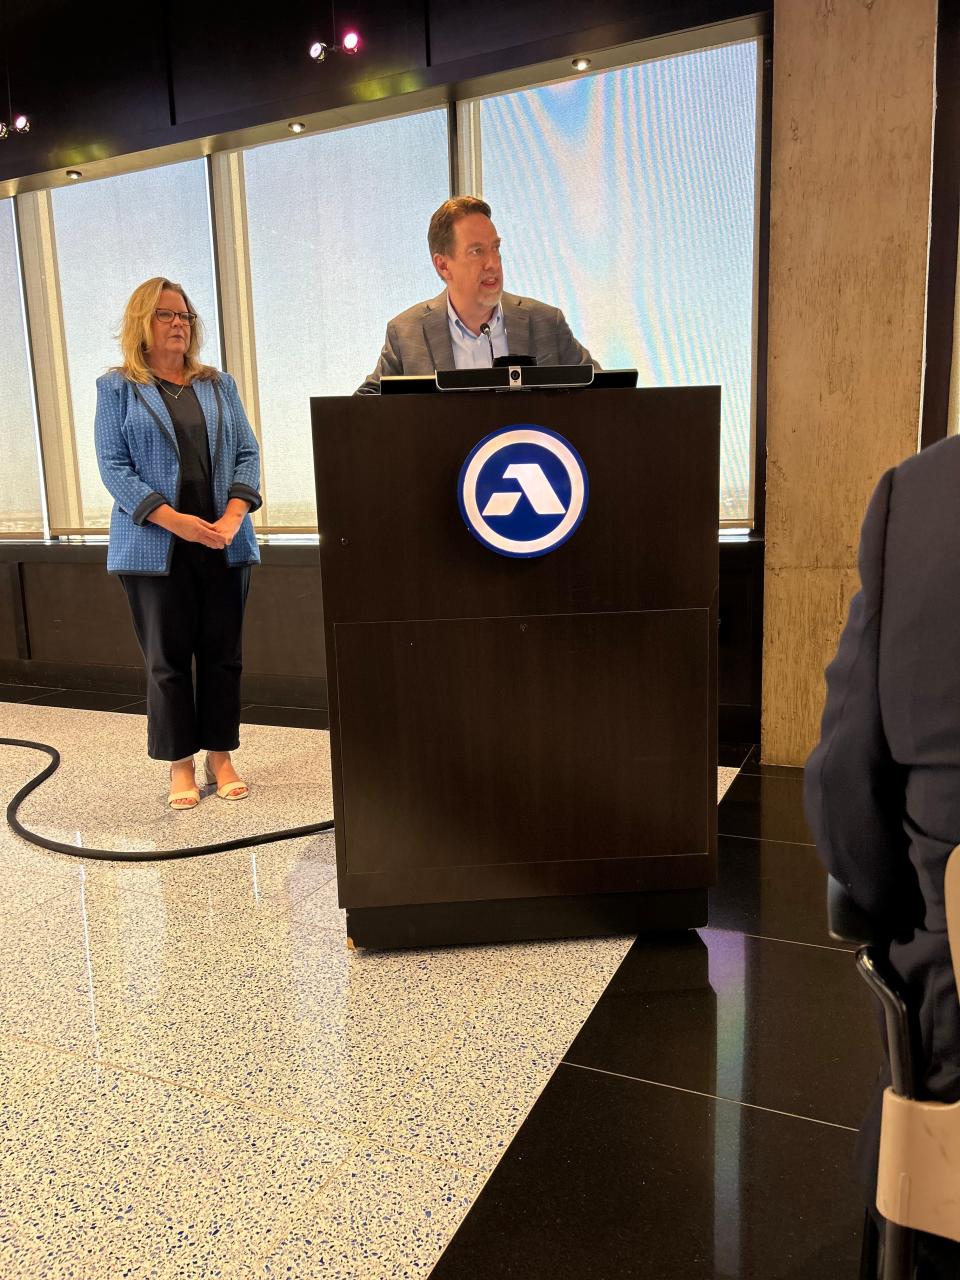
351	42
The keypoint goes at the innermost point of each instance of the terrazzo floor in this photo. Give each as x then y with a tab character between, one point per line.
197	1078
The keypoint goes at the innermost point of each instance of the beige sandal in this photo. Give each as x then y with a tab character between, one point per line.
182	800
235	790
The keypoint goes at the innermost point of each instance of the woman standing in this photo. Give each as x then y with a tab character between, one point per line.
178	456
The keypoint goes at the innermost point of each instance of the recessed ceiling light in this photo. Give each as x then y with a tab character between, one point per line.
296	126
580	64
74	174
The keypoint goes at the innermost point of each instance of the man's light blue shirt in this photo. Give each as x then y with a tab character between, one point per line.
471	350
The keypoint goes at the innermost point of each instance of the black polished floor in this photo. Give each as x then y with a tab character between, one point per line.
702	1123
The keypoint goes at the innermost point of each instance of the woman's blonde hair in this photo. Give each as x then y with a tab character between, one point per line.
136	333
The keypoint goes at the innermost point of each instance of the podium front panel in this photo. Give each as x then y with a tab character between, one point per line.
510	730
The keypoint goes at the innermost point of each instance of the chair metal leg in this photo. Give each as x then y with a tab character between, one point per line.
900	1037
870	1248
898	1251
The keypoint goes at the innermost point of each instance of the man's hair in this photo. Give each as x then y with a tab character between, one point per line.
440	233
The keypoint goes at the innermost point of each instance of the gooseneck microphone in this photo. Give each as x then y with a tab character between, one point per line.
485	330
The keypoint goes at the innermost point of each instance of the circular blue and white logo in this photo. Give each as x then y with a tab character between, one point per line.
523	490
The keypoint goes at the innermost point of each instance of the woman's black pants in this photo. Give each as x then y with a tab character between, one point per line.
191	617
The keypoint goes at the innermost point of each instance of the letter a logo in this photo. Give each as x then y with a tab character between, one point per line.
523	491
534	484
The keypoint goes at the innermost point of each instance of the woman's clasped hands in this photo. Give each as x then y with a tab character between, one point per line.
194	529
217	535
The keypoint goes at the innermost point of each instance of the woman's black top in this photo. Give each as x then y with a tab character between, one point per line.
196	493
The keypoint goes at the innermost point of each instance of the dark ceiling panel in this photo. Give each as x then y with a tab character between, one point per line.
100	81
457	34
87	76
222	65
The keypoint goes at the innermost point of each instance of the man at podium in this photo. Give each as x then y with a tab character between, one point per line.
472	321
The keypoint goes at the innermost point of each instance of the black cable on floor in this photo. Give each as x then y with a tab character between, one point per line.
119	855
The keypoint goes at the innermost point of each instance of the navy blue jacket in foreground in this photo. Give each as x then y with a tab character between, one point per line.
139	463
882	788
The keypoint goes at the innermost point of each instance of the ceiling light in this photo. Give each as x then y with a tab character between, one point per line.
74	175
18	124
580	64
296	126
350	44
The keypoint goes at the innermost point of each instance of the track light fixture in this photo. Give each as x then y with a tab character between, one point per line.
350	43
319	50
19	124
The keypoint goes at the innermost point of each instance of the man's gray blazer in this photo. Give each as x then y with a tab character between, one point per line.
418	340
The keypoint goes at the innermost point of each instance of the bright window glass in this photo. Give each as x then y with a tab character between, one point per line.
111	236
20	506
628	199
338	245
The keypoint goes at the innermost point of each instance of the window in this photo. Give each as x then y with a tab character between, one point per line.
112	235
628	199
20	506
337	228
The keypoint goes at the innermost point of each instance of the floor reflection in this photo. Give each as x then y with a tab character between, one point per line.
197	1077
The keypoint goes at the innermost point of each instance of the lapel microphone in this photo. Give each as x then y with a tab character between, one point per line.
485	330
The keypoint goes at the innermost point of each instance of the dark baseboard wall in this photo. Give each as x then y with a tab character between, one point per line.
740	647
65	623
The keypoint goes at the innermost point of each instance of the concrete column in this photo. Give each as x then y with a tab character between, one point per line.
850	195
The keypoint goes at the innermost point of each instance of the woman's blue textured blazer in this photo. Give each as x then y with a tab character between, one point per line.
140	464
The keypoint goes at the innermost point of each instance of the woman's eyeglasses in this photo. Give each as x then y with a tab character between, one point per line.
166	317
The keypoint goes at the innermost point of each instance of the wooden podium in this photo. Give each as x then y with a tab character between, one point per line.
521	748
